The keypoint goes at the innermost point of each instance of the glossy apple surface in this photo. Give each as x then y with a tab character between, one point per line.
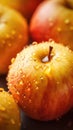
53	19
41	80
26	7
13	36
9	112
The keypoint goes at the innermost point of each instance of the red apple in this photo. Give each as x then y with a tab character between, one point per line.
41	80
9	112
13	36
53	19
26	7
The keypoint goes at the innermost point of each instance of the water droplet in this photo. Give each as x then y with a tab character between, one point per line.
9	44
20	71
59	29
37	67
12	121
21	82
67	21
28	89
71	28
23	76
30	101
34	43
41	78
58	82
12	60
48	72
36	82
24	96
17	93
9	103
37	88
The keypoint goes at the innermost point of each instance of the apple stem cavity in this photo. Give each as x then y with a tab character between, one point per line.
49	56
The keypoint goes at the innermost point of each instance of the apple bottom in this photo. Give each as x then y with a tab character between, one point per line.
52	104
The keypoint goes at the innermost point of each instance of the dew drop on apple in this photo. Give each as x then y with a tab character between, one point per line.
34	43
24	96
28	89
23	76
12	121
9	103
20	71
30	100
58	82
71	28
17	93
41	78
67	21
37	88
59	29
36	67
21	82
12	60
9	44
36	82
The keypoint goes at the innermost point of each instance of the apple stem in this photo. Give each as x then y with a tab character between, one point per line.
49	55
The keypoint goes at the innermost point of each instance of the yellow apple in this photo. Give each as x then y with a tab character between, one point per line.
13	36
9	112
26	7
41	80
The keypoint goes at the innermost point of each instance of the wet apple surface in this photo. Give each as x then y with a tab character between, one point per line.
41	80
64	123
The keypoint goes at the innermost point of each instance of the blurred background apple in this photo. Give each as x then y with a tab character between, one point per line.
26	7
13	36
53	19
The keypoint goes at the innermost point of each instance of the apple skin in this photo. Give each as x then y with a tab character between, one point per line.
43	88
53	20
25	7
9	112
13	36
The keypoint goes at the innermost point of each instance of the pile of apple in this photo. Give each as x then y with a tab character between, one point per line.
40	74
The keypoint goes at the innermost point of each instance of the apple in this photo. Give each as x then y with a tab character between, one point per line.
9	112
13	36
25	7
41	80
53	19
